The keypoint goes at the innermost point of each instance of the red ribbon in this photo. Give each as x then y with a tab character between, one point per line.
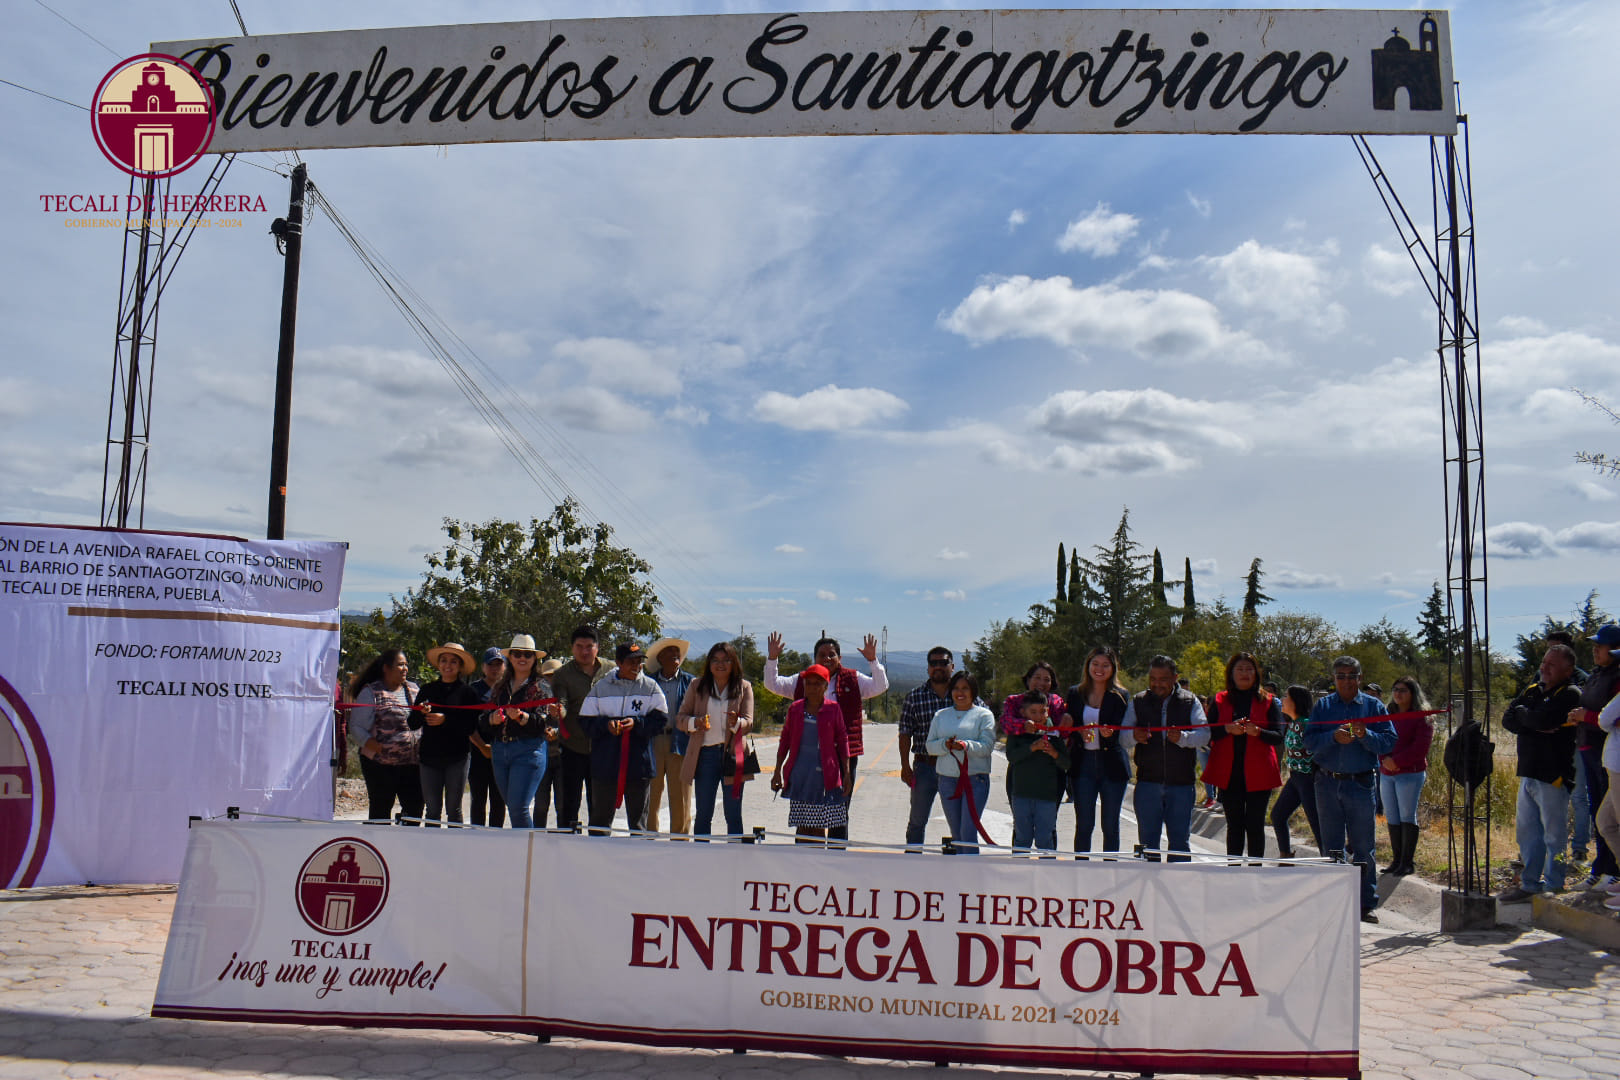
1217	723
428	706
964	790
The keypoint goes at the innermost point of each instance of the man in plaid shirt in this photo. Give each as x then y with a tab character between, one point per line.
916	763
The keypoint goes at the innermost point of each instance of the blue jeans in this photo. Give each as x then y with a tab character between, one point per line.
1167	807
519	767
924	790
1034	823
1345	810
1597	788
1085	788
1543	827
1580	805
707	779
1298	791
958	819
1401	797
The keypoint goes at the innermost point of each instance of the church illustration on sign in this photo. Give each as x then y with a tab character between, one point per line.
153	130
343	897
1398	67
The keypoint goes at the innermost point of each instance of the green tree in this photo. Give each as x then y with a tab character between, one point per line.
1252	596
1158	579
1203	665
1295	646
499	578
1189	606
1435	632
1118	590
1062	574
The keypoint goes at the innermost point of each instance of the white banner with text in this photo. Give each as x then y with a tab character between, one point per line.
1219	71
146	677
1034	962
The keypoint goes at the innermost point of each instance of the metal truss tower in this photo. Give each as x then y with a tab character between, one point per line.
154	240
1445	259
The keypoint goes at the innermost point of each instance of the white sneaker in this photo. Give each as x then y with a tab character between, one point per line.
1613	902
1614	890
1597	883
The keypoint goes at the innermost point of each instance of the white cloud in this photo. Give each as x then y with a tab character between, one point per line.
1287	285
1206	567
948	555
1521	326
824	594
1596	535
1592	490
1519	540
727	601
831	408
1401	594
595	408
1100	233
689	415
1015	219
1163	324
624	365
789	549
1128	416
861	600
954	594
1203	207
1302	579
1388	272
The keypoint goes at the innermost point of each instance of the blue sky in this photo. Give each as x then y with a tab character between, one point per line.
858	382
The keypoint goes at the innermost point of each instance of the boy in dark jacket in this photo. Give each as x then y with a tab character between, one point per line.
1037	769
623	714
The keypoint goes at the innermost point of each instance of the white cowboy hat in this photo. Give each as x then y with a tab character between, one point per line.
663	643
523	643
468	664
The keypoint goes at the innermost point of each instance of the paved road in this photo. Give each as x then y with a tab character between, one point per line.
78	967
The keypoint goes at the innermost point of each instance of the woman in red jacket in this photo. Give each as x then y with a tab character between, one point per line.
1243	754
812	760
1402	771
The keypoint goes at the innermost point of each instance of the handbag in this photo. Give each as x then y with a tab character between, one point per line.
728	762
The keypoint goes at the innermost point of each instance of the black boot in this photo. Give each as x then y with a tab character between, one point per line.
1410	852
1397	844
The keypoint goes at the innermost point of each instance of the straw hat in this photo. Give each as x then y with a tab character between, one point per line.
468	664
549	668
663	643
523	643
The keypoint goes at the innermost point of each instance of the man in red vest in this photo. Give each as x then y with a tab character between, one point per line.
847	689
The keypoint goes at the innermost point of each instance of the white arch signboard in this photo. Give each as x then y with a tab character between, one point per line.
840	73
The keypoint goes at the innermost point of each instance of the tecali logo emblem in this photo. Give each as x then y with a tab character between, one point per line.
152	115
342	886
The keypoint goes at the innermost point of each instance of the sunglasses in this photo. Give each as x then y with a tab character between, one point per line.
941	662
521	654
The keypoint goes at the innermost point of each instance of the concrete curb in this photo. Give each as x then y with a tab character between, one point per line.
1557	915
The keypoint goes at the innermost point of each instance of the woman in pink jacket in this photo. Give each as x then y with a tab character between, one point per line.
812	760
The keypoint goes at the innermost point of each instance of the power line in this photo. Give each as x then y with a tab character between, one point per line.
238	13
42	94
423	321
82	30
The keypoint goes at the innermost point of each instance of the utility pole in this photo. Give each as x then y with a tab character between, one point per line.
289	234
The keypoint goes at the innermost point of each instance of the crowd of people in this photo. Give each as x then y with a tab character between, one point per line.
534	734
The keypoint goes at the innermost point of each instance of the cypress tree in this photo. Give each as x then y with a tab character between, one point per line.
1062	591
1158	579
1189	607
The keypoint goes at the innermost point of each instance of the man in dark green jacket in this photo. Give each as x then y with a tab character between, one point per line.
571	684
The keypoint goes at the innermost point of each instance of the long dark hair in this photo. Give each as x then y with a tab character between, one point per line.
1259	673
372	672
705	683
1301	698
1042	665
1085	670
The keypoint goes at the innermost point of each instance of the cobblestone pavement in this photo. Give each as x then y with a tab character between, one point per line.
78	967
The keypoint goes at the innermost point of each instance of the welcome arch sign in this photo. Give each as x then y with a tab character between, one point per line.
840	73
1255	972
